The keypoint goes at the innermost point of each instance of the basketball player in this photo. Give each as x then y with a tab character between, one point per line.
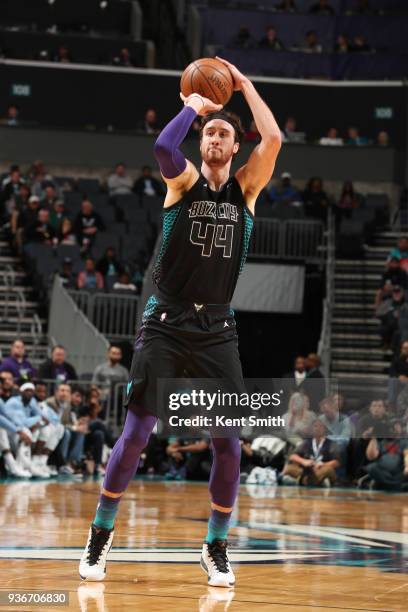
188	323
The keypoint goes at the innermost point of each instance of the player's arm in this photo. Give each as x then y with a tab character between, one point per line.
258	170
178	173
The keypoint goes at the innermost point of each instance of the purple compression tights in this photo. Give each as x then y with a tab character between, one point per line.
123	462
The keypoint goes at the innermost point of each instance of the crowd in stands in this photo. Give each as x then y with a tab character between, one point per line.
311	44
39	209
54	425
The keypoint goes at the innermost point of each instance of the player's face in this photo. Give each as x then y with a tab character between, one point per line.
218	142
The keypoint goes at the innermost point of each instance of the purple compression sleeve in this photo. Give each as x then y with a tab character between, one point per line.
171	160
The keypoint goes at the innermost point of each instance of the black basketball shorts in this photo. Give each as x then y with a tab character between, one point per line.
182	340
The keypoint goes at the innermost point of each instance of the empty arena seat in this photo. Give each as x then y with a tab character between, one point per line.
68	250
380	203
72	201
104	240
88	186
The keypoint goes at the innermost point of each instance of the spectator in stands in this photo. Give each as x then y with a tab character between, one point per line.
339	428
17	363
298	375
383	139
252	135
289	127
322	7
147	185
124	283
6	179
354	138
394	275
20	203
388	467
23	411
123	58
298	419
7	427
315	461
150	124
29	214
348	200
10	190
41	391
67	275
7	386
119	182
388	312
243	39
271	40
315	199
311	44
66	233
110	373
49	196
401	252
332	139
76	427
89	278
99	434
109	265
56	368
314	385
53	410
398	381
286	6
40	178
285	191
360	45
87	224
342	44
63	56
41	230
375	423
12	118
57	216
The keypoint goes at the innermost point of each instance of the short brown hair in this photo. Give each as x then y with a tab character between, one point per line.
230	118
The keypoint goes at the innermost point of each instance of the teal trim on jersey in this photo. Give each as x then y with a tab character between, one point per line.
150	307
232	312
248	225
169	219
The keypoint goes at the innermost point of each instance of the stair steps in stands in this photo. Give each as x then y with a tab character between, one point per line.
19	309
359	363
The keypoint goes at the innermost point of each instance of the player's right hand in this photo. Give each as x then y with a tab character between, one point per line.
201	105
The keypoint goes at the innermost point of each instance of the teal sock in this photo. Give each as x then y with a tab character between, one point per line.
106	512
218	526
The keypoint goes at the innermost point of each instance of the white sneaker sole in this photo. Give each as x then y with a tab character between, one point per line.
92	578
226	585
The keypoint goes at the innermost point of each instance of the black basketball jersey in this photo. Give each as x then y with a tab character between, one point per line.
205	243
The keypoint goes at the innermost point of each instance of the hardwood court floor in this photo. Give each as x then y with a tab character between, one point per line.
293	550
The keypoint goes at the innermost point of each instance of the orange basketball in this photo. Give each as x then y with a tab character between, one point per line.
210	78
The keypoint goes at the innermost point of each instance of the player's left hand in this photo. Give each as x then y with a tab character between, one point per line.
239	78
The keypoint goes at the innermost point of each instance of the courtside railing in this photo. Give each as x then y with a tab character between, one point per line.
69	326
290	239
114	315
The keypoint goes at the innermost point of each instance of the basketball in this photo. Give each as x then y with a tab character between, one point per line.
210	78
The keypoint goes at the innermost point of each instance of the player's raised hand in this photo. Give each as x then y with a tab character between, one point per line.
201	105
239	78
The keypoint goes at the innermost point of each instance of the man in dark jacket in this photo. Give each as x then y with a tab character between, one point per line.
57	368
